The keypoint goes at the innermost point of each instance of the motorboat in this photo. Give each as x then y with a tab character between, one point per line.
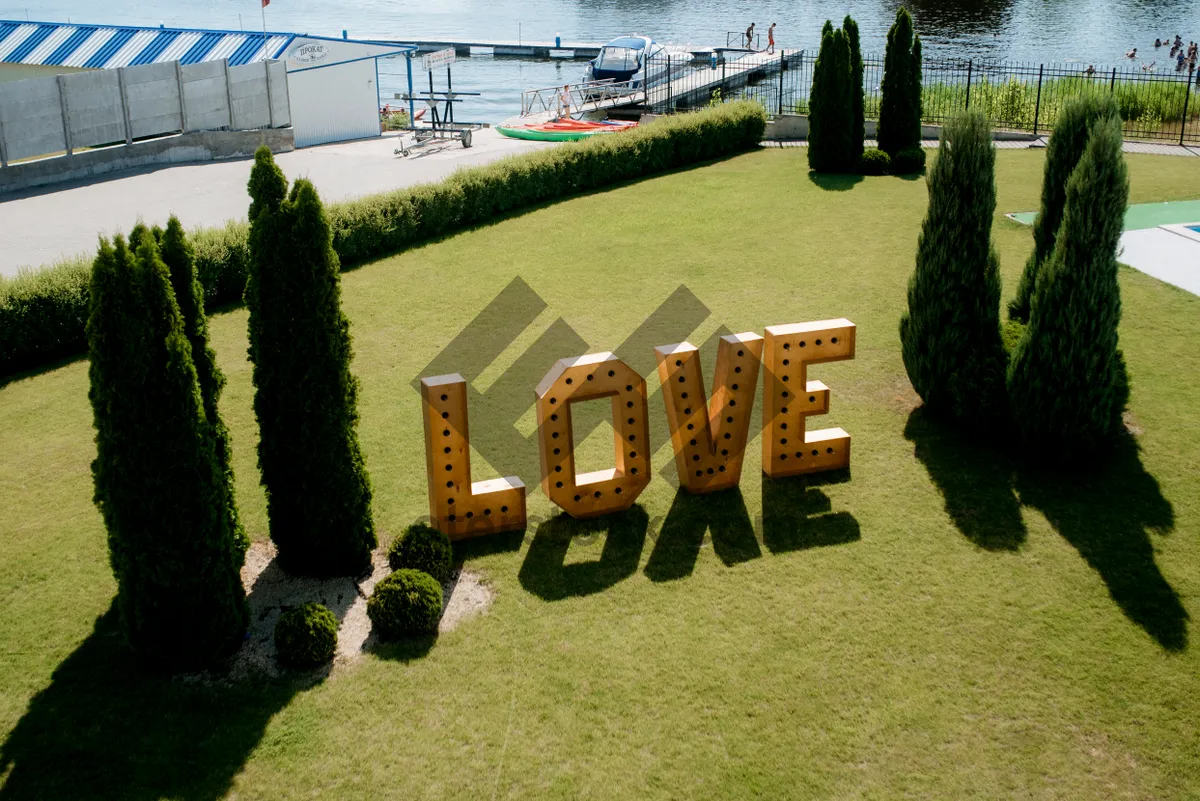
637	60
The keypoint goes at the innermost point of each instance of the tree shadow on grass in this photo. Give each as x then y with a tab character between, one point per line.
975	480
1108	513
835	182
545	572
678	545
51	364
798	516
106	728
1106	510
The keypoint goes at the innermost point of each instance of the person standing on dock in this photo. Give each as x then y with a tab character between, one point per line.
564	102
771	39
750	37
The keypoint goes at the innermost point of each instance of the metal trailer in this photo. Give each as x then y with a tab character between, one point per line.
440	106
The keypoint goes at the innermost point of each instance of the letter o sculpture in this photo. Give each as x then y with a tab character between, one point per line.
597	375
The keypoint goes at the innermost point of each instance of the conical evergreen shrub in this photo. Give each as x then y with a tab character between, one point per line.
318	491
900	104
1066	381
1065	149
158	482
950	335
831	108
858	130
177	254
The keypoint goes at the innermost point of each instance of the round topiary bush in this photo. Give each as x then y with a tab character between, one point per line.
908	161
306	636
406	603
423	548
875	162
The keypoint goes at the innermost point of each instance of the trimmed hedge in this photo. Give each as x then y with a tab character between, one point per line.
406	603
42	314
306	636
908	161
423	548
875	162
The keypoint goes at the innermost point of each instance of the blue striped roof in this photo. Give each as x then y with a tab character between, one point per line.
106	46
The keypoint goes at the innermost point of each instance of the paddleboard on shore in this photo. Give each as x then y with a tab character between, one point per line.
563	130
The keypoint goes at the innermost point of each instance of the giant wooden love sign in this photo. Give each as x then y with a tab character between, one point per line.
708	434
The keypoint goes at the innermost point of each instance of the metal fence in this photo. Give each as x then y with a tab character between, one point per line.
1158	106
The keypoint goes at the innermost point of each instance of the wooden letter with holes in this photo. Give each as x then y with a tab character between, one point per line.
789	397
709	436
458	507
598	375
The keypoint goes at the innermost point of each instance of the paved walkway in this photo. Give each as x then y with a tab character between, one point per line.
43	226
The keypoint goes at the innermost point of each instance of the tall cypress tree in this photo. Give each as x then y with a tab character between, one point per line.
858	131
831	110
1066	381
177	254
900	105
950	335
318	491
1065	149
158	482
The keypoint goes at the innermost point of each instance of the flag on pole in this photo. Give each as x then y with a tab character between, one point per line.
266	3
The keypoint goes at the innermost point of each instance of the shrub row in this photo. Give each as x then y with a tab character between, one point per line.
42	314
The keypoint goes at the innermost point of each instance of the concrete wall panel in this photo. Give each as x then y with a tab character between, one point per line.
94	103
248	90
205	96
32	117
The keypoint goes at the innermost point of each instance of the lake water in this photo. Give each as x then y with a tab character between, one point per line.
1088	31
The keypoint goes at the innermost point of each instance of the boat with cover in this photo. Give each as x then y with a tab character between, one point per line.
637	60
564	130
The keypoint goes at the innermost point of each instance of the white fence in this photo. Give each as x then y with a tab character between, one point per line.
102	107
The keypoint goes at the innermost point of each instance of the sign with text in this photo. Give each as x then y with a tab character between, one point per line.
708	433
438	58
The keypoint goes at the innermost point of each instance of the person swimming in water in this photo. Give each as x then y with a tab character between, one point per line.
1131	54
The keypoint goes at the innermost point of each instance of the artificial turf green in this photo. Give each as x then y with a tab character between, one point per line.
949	620
1143	215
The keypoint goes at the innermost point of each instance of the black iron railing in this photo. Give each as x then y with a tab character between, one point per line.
1155	105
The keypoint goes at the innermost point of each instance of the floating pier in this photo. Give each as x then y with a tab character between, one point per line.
580	51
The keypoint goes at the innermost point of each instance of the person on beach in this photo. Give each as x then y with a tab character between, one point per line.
750	37
771	39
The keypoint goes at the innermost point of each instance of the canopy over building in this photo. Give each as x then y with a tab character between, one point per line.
55	44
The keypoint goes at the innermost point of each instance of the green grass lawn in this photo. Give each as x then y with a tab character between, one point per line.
948	621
